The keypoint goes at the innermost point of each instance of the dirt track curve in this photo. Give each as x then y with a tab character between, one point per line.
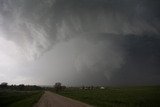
50	99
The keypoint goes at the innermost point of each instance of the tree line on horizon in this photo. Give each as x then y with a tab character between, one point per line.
20	87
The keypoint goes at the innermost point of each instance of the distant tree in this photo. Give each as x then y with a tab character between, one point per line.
4	85
21	86
83	87
57	86
92	87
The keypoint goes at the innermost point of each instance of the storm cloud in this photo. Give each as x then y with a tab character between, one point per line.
77	42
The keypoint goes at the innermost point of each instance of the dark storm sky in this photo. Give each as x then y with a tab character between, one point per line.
80	42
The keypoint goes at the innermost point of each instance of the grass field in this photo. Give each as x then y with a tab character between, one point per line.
117	97
19	98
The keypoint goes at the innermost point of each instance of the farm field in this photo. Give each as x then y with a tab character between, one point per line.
148	96
19	98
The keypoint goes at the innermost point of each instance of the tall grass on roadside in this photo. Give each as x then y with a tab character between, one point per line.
11	98
27	102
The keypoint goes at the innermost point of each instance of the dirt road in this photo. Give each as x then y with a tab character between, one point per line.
50	99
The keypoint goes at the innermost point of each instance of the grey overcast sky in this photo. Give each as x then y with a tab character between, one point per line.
80	42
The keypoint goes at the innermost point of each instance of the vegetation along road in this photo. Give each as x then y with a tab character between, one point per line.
19	98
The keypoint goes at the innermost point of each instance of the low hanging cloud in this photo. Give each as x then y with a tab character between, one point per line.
37	25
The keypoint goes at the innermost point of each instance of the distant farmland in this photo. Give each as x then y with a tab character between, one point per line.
117	97
19	98
146	96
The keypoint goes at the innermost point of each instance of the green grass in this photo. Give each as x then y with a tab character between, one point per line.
27	102
19	98
117	97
